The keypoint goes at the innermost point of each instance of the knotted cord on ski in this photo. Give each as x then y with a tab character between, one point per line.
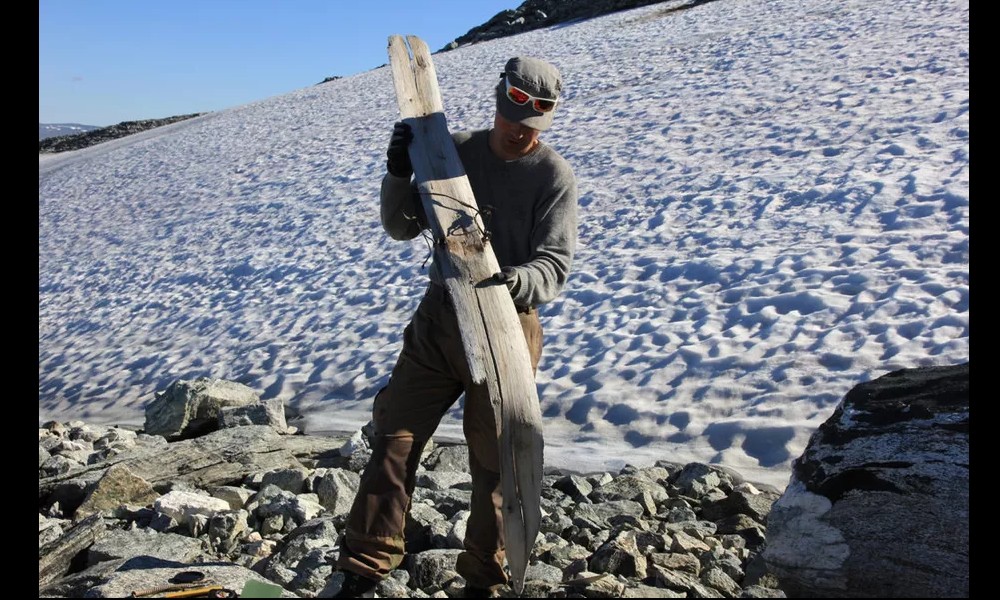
484	214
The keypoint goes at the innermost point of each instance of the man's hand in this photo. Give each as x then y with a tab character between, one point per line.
507	275
398	154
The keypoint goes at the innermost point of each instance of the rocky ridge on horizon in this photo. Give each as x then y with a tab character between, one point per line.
49	130
538	14
77	141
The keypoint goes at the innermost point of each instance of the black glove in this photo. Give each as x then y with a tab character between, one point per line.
507	275
398	154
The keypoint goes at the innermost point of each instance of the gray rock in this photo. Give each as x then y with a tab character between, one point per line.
683	582
107	453
596	585
333	585
677	561
79	458
357	443
540	571
459	524
184	506
442	480
118	544
695	479
599	479
732	541
651	541
648	591
419	521
619	555
439	533
628	487
136	575
718	579
878	504
272	525
191	408
291	480
728	563
688	544
281	510
311	573
43	455
58	464
699	530
448	458
757	591
680	514
741	525
165	487
392	588
116	488
77	584
755	505
555	522
70	448
656	473
576	487
199	525
545	542
316	534
448	502
430	566
48	439
49	529
83	432
596	516
236	497
267	412
116	436
225	529
280	574
537	588
337	489
648	503
163	523
563	556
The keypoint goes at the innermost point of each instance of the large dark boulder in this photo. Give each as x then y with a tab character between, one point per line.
878	504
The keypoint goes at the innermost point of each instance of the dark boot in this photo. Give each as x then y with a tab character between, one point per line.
356	586
471	591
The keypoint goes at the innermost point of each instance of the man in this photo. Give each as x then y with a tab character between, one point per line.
533	225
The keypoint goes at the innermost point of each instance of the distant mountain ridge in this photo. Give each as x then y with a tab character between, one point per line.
76	141
47	130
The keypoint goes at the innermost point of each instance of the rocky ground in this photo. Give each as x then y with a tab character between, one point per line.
121	511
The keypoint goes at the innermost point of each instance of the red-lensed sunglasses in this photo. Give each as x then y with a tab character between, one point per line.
521	97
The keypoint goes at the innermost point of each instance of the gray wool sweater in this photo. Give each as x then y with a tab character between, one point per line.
534	220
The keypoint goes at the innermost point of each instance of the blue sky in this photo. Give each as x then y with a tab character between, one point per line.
101	62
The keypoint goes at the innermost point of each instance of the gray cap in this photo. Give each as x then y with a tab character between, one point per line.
536	77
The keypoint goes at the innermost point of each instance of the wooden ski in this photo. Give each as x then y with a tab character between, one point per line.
494	343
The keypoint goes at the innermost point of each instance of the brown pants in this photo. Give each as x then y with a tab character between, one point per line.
430	374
